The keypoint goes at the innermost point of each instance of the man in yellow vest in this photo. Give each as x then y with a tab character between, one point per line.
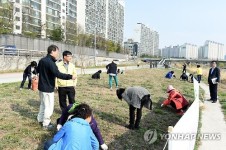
66	88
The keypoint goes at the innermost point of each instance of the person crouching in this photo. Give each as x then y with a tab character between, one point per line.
96	75
176	100
136	97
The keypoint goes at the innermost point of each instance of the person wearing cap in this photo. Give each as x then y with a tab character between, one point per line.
136	97
93	124
176	100
170	75
66	88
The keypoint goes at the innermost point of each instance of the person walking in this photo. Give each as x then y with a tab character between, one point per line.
112	71
66	88
199	73
136	97
48	71
213	80
30	69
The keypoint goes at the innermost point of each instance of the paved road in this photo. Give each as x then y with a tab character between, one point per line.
16	77
212	122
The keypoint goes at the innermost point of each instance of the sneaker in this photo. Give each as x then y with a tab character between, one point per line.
111	88
21	88
48	127
116	87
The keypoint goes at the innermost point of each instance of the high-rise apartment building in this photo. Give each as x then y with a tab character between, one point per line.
188	51
148	39
103	18
42	16
212	50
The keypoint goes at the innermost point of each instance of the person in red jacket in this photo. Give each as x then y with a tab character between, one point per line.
176	100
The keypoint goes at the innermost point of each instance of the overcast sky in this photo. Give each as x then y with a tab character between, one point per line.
178	21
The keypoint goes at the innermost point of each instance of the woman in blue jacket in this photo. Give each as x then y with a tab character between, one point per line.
76	134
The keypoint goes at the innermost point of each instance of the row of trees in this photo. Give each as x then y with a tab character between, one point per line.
85	40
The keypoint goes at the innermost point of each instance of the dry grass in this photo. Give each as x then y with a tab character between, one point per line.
18	110
221	88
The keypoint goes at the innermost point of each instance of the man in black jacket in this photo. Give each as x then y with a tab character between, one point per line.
112	71
30	69
48	71
213	80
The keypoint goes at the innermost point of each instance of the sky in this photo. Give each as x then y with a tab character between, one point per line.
178	21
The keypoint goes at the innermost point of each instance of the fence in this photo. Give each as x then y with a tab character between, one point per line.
183	134
42	44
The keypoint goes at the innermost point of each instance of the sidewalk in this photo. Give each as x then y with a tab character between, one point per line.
17	77
212	122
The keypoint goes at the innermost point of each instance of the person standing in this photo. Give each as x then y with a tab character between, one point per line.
184	68
48	71
136	97
213	80
30	69
66	88
199	73
112	71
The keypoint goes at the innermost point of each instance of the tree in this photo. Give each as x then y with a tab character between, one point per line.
6	18
57	34
71	32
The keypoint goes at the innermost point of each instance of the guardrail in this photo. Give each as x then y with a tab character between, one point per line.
183	135
21	52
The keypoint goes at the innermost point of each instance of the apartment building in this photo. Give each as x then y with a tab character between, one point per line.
103	18
148	39
42	16
212	50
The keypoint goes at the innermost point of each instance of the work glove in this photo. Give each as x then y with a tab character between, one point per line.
162	105
58	127
104	147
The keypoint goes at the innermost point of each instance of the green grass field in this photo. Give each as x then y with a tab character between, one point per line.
19	128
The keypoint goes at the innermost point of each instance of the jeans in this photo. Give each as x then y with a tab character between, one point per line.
110	80
48	144
199	77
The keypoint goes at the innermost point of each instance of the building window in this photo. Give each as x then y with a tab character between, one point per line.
17	18
17	9
18	27
18	1
63	4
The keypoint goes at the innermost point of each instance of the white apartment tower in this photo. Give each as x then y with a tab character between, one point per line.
212	50
104	18
188	51
148	39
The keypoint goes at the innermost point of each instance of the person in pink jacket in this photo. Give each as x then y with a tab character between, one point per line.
176	100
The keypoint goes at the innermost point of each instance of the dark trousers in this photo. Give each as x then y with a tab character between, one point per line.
47	144
132	109
213	91
63	92
132	116
24	79
199	77
184	70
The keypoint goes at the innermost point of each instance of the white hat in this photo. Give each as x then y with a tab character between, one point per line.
169	88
